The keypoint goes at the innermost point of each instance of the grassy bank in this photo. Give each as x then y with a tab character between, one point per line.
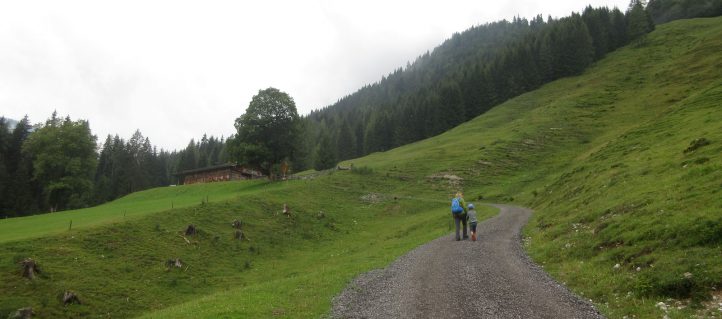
128	207
341	225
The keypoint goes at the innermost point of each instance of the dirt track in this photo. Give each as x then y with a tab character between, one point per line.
489	278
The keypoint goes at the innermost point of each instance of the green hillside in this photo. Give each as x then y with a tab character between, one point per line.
602	158
339	226
134	205
622	165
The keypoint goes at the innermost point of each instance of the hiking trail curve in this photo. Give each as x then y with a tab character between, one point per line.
490	278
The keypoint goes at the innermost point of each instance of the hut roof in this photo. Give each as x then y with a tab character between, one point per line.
209	169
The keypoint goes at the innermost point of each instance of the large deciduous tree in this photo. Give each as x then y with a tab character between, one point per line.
64	160
267	133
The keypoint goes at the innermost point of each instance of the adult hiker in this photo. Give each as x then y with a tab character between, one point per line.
458	211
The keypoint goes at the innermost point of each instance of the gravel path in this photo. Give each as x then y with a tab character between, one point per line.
489	278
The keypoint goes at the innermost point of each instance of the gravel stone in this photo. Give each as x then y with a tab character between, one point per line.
489	278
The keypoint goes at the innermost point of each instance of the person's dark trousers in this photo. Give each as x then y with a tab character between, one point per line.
460	219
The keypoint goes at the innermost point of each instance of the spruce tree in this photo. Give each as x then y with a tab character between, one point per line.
572	47
23	192
598	23
346	142
4	180
103	190
618	30
639	22
325	157
451	104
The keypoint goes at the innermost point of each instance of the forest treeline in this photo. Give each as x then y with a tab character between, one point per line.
464	77
58	164
663	11
475	70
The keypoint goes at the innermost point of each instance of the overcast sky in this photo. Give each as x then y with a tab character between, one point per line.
178	69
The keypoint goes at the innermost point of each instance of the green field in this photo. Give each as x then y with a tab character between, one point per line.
132	206
604	159
292	265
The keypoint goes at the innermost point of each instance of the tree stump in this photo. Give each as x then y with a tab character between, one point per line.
70	297
237	224
238	235
286	210
191	230
30	268
170	263
22	313
695	144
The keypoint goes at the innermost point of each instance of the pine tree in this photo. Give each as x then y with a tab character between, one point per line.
346	142
639	20
325	157
360	142
137	149
203	152
121	170
618	29
4	138
598	23
24	194
189	157
571	47
371	138
451	104
103	190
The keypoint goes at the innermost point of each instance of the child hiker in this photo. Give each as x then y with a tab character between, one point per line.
471	213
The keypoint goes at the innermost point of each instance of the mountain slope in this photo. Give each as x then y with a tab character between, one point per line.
462	78
596	156
600	157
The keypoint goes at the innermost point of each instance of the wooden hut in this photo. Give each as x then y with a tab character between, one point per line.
218	173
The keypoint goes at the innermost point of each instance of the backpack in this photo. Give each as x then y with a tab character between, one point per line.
456	206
